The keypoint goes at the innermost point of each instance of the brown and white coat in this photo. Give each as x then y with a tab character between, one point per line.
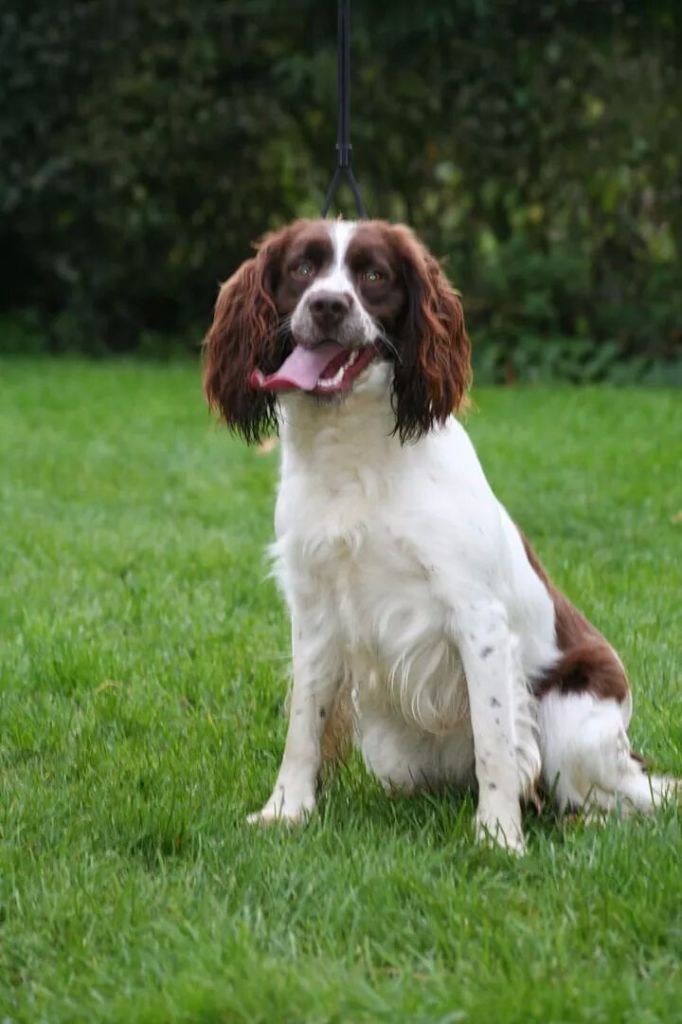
407	582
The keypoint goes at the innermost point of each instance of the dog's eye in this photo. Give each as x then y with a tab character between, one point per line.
303	270
372	276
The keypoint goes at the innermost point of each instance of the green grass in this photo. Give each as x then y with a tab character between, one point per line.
143	661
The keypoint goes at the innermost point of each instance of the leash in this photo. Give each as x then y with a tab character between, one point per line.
344	148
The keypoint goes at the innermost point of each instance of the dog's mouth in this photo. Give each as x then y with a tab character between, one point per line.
327	369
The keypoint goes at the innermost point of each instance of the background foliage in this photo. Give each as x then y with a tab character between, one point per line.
537	146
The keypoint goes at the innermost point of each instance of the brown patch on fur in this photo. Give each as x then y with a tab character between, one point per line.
268	445
434	371
588	662
244	335
338	730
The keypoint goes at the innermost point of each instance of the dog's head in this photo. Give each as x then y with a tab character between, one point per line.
317	305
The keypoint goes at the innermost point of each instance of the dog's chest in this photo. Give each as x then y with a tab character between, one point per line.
392	627
379	589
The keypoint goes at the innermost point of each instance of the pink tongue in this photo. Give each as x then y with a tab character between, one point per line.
302	369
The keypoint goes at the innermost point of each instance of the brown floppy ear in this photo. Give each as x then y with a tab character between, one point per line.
244	336
434	371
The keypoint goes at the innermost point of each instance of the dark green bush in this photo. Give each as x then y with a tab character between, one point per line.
535	145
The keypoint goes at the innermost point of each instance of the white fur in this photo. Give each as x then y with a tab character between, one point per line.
586	758
405	577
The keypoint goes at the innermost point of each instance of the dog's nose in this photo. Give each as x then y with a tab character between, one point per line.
329	308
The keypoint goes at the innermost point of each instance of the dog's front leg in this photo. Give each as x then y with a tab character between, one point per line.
485	646
317	676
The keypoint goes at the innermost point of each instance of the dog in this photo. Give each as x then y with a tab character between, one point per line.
414	598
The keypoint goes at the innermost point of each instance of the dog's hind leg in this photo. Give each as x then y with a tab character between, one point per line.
586	756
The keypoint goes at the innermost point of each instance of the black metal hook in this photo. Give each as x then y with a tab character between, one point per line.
344	148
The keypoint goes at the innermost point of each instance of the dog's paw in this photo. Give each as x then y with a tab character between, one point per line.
285	809
501	830
275	816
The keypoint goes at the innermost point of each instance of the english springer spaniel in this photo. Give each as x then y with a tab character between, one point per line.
421	618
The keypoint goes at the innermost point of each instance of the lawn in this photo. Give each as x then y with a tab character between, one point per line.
143	660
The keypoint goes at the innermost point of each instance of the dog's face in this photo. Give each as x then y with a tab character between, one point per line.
318	304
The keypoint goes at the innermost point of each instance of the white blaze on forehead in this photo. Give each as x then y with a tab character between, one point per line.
341	232
336	278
